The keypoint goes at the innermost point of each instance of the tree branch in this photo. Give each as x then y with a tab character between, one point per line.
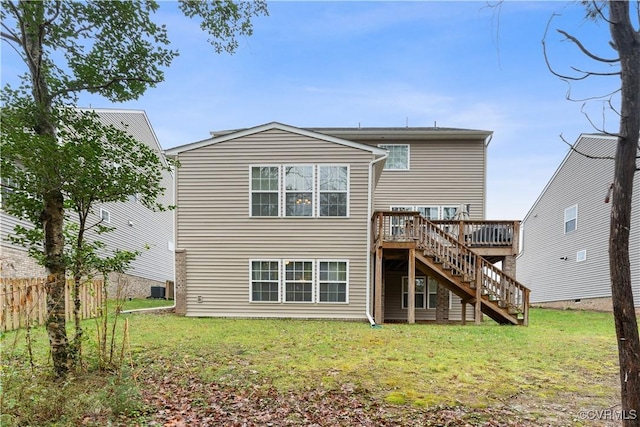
594	73
77	86
588	156
584	49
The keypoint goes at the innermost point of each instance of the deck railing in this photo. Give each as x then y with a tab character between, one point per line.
397	226
442	241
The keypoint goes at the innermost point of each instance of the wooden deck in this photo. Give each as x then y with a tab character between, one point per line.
460	255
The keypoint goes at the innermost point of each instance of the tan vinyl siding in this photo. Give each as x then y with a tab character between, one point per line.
393	310
219	236
442	173
583	182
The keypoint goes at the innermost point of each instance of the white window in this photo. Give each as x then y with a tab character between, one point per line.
420	291
105	216
571	219
292	191
429	212
298	281
432	293
298	185
333	190
265	196
449	212
581	255
398	156
265	281
399	223
332	281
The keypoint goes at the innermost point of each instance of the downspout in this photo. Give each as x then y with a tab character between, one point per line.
175	231
369	213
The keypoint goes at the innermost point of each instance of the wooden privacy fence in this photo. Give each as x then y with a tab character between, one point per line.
24	301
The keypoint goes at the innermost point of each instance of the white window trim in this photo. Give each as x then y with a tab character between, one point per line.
443	207
428	294
314	196
425	293
284	281
280	295
317	285
408	157
279	167
102	218
317	212
437	207
564	224
581	256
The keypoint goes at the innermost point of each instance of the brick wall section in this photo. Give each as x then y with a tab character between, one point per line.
181	282
16	263
509	265
442	307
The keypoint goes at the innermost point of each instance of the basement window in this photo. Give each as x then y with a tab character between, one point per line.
420	292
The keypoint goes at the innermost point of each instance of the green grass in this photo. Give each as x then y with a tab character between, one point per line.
563	357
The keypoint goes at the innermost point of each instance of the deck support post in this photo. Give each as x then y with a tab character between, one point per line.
478	281
464	312
411	303
377	291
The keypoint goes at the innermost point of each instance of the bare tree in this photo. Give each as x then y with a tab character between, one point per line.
625	40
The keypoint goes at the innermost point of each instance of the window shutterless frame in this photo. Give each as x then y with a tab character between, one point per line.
264	191
332	281
265	281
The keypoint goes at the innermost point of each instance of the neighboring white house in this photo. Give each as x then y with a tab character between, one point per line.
136	227
564	258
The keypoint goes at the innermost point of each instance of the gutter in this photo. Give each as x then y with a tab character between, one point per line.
369	213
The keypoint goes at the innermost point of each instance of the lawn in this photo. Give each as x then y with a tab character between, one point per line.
204	371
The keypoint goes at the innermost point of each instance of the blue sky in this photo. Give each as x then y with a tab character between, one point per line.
457	64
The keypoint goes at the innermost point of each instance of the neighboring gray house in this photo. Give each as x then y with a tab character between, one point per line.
564	258
135	225
279	221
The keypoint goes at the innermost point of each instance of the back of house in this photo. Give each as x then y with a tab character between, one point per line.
276	221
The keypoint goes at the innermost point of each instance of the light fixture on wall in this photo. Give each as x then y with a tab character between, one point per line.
564	258
130	223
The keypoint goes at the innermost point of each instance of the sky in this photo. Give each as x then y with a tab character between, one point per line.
389	64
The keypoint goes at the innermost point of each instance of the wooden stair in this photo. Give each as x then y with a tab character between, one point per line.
468	275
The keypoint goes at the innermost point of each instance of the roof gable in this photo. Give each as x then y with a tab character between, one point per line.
271	126
571	151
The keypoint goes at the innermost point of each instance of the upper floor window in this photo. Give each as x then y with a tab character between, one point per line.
265	185
105	215
298	186
398	156
429	212
333	190
299	191
570	218
449	212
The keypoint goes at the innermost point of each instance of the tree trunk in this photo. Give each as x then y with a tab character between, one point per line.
52	221
627	42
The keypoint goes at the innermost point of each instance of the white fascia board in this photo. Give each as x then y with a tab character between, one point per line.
269	126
